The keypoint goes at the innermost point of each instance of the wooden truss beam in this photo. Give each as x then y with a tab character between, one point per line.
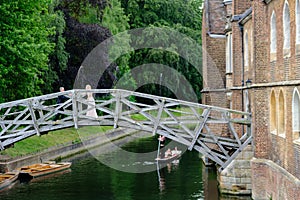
207	129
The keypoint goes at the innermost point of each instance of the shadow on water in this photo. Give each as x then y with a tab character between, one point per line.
210	186
183	179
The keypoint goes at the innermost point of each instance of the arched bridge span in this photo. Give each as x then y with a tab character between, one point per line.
217	133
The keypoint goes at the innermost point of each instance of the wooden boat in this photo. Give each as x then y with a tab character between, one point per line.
8	179
42	169
175	155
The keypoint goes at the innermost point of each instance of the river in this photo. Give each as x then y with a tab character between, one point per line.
90	179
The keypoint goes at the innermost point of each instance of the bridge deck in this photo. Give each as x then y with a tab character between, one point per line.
218	133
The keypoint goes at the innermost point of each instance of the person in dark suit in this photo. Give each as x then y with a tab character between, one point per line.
60	99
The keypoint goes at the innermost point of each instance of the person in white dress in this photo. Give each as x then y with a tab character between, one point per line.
91	103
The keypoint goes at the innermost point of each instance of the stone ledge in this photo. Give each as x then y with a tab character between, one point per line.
236	193
271	180
276	168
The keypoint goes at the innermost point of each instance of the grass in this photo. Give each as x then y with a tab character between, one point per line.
140	117
36	144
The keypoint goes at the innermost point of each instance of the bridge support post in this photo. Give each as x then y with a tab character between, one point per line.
33	117
75	109
235	179
118	109
157	120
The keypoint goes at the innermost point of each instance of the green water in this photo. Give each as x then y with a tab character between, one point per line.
89	179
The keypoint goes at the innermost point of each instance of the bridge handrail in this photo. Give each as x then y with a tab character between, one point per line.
66	93
23	118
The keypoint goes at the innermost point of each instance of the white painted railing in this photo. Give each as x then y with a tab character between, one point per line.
218	133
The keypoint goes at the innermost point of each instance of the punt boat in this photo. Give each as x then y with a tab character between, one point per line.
7	179
42	169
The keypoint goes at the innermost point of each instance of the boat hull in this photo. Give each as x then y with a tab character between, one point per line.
39	170
7	179
168	159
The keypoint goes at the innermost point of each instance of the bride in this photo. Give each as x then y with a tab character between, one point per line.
91	109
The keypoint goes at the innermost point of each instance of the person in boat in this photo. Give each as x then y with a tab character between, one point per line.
168	153
162	140
175	151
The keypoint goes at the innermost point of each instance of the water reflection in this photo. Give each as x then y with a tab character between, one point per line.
161	173
210	183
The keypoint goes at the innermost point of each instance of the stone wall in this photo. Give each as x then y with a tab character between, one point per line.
236	178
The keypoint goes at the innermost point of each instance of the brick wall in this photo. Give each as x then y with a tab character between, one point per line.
284	149
240	6
216	13
214	56
278	173
214	62
273	182
260	44
237	59
285	67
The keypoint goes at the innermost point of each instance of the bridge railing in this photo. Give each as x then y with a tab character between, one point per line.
218	133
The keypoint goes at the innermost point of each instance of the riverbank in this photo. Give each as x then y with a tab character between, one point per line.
66	150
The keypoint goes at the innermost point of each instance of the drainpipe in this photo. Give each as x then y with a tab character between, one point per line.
243	71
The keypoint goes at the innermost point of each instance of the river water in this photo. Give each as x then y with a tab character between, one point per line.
89	179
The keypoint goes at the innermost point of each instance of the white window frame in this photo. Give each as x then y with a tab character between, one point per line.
286	26
246	50
281	114
297	14
273	113
229	53
273	33
296	110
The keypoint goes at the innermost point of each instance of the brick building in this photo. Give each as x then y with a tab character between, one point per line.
251	62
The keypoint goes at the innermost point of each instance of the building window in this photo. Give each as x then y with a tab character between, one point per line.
246	51
246	101
229	53
286	26
273	39
281	116
296	114
297	22
273	121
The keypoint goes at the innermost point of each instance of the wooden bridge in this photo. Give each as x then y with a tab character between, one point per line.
217	133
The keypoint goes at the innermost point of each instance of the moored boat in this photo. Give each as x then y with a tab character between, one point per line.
8	179
42	169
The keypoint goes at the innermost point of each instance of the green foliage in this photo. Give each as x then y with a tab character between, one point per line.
90	15
24	47
185	17
33	47
116	21
77	8
59	57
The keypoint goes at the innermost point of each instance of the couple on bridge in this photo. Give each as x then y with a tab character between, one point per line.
91	109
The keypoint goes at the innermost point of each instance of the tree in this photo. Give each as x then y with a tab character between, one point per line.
58	59
182	15
25	47
116	21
